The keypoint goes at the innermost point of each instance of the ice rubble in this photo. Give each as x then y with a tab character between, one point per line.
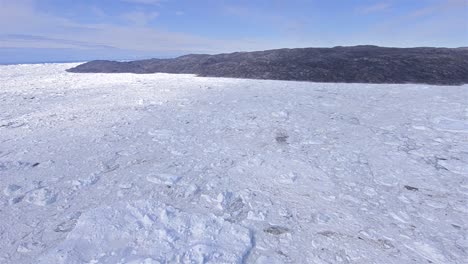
122	168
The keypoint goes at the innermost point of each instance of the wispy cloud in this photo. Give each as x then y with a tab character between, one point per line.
140	18
258	16
238	10
98	12
439	7
42	30
144	2
375	8
27	41
431	25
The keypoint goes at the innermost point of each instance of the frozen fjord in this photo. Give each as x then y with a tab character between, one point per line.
161	168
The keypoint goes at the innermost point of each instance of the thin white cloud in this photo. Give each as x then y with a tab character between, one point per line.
431	25
28	41
440	7
140	18
21	16
144	2
379	7
40	30
98	12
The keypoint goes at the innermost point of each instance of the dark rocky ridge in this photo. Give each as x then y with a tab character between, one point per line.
359	64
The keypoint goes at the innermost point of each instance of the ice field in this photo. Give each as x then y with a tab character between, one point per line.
164	168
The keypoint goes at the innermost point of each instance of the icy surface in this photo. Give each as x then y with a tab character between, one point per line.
161	168
149	232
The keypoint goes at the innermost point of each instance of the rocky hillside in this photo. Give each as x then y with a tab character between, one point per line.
359	64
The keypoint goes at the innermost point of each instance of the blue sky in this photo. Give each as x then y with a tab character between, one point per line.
73	30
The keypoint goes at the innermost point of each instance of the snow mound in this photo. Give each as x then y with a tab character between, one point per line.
151	232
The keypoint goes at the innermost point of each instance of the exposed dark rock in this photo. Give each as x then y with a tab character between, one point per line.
411	188
282	138
359	64
276	230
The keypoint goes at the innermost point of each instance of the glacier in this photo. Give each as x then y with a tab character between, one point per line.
174	168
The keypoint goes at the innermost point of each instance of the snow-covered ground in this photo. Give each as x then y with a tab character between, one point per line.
161	168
